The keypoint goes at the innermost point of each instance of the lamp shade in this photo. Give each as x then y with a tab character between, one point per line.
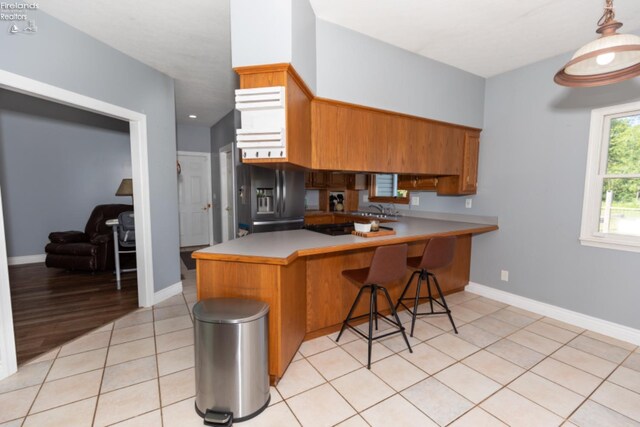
126	188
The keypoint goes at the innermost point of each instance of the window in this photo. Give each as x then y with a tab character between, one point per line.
384	188
611	210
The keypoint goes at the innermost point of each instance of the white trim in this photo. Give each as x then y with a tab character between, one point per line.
595	171
26	259
209	185
140	174
167	292
223	152
595	324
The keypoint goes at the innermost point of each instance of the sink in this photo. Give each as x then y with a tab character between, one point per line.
373	215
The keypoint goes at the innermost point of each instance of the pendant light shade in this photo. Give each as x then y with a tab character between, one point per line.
610	59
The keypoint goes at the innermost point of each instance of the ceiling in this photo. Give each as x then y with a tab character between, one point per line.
191	41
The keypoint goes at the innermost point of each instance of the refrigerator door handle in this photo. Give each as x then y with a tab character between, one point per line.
284	193
277	192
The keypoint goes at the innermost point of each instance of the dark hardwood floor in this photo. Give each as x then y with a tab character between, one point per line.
52	306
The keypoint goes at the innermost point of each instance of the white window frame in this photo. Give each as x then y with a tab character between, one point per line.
590	234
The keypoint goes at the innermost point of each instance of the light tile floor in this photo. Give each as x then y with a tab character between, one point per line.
507	366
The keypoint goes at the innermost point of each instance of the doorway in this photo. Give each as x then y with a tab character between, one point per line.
140	174
194	198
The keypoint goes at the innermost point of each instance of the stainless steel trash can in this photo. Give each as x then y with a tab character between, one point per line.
231	359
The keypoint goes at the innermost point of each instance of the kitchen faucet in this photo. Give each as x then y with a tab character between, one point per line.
378	207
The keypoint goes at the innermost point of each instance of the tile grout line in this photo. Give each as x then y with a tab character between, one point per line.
104	368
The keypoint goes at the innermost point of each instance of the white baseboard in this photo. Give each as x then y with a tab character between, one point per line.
595	324
167	292
28	259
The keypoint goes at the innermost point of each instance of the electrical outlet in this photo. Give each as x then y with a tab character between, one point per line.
468	203
365	198
415	201
504	275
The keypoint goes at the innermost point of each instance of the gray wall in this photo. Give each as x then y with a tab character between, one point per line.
193	138
303	46
65	57
222	133
56	164
355	68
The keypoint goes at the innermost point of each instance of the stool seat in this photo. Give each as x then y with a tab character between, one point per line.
438	253
389	264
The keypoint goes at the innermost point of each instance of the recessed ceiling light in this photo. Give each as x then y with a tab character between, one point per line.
193	116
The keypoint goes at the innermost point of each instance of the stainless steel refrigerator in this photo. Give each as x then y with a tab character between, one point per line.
268	199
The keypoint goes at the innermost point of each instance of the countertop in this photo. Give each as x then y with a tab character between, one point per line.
282	247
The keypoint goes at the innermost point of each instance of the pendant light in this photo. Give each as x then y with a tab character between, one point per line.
610	59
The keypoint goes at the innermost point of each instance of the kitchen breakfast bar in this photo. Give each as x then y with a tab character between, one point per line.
298	273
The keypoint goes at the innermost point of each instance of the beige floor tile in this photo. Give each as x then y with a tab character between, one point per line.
136	318
516	353
78	414
183	414
362	389
495	326
493	301
129	373
334	363
453	346
619	399
149	419
86	343
359	350
15	423
399	410
535	342
563	325
355	421
396	342
274	396
627	378
470	384
130	351
527	313
585	361
174	300
300	376
173	324
382	328
610	340
494	367
442	322
550	331
478	418
15	404
599	348
175	360
423	331
632	362
67	390
170	312
297	357
479	306
174	340
103	328
132	333
460	297
512	318
50	355
464	314
438	401
592	414
27	375
428	358
311	347
397	372
77	364
476	336
278	415
548	394
178	386
127	402
515	410
321	406
567	376
347	337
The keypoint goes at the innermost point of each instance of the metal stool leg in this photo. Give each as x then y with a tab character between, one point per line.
395	315
415	304
404	291
375	310
444	303
429	288
372	307
353	307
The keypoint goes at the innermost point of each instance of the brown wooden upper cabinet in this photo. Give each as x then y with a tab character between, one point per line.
417	183
467	181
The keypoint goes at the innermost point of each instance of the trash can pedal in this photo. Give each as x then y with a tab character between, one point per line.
220	419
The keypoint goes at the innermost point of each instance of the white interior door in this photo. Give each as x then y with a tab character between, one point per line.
227	193
194	195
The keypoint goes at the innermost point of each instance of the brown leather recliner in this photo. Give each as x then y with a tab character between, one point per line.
91	250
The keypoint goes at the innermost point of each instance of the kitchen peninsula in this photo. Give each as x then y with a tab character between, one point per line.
298	273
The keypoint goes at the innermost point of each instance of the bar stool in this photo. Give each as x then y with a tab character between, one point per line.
437	253
389	263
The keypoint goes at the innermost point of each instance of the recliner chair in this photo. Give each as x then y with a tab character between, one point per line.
91	250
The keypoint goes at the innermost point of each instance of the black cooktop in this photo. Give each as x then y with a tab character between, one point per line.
332	229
